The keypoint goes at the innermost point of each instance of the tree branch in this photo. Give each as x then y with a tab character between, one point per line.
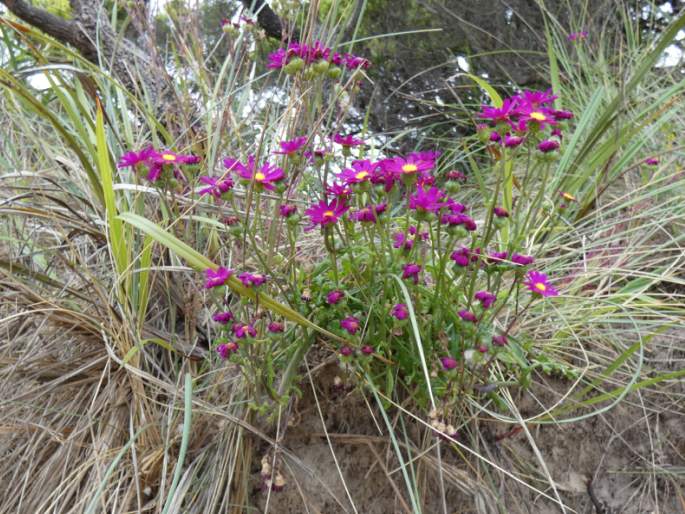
63	30
266	18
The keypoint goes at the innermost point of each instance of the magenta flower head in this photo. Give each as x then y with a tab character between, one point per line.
412	271
131	159
536	99
413	165
223	317
217	278
367	350
467	316
365	215
500	340
351	324
485	298
456	176
577	36
340	191
561	115
292	146
326	213
461	257
226	349
243	330
167	157
346	351
217	186
275	327
538	284
400	311
512	141
267	176
252	279
522	260
287	209
427	200
347	141
652	161
406	243
448	363
504	114
361	171
500	212
334	297
548	145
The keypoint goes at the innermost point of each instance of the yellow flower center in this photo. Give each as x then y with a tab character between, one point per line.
361	175
541	287
328	214
538	116
409	168
168	157
259	176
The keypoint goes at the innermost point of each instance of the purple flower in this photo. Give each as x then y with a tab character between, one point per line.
500	340
522	260
361	171
455	207
131	159
351	324
461	257
412	165
252	279
168	157
242	330
548	145
287	209
223	317
502	114
347	141
538	284
267	176
412	271
536	99
401	241
512	141
341	191
326	213
467	316
456	176
448	363
218	277
400	311
346	351
275	327
334	297
430	200
577	36
539	117
369	213
292	146
461	219
485	298
561	115
652	161
367	349
501	212
497	257
226	349
217	186
495	137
